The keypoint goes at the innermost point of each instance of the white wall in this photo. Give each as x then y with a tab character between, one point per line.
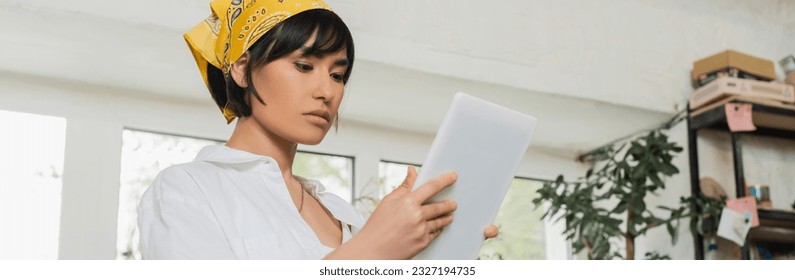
95	119
633	52
604	60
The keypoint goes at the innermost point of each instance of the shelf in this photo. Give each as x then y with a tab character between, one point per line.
771	118
777	218
772	235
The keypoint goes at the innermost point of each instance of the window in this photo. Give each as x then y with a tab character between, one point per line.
145	154
521	229
31	165
335	172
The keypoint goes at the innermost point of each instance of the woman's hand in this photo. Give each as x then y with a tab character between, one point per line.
401	226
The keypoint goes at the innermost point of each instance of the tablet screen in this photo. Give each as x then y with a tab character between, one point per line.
484	143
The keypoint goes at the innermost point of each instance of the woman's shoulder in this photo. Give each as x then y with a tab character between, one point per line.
186	172
183	179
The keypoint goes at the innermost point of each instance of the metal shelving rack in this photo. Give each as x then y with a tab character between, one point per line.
771	119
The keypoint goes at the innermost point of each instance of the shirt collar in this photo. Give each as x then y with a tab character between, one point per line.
228	155
224	154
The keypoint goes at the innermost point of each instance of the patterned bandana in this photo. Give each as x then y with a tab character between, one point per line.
233	27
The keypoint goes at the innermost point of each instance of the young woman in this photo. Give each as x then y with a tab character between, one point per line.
279	67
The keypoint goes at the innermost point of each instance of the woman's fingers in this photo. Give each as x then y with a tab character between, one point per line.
434	186
439	223
408	182
411	176
435	234
436	209
491	232
402	225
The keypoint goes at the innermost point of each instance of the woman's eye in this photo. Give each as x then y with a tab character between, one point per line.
338	77
303	67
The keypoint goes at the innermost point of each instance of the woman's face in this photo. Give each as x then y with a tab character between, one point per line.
302	94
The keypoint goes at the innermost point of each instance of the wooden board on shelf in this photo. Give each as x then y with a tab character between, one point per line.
762	101
777	218
760	119
772	234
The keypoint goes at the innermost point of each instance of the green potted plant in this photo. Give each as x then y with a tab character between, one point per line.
612	193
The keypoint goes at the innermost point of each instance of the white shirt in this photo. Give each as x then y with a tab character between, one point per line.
231	204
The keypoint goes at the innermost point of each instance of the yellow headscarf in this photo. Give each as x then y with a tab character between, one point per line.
233	27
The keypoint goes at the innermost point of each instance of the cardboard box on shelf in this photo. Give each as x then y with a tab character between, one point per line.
727	86
733	72
790	80
758	67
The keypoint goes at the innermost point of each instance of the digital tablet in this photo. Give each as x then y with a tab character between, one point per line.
484	143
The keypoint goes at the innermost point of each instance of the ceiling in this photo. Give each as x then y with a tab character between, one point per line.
412	56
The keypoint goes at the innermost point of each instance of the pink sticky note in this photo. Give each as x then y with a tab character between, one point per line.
745	204
739	117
